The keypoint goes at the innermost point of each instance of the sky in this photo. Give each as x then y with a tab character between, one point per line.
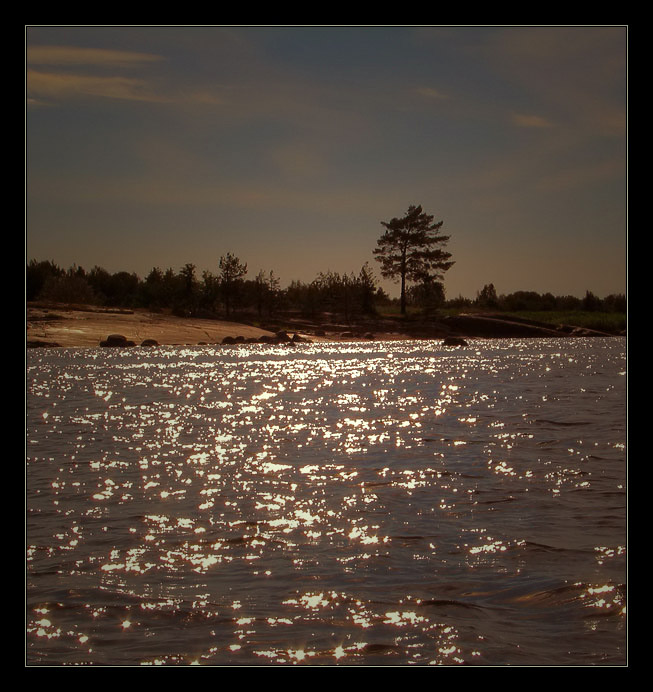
159	146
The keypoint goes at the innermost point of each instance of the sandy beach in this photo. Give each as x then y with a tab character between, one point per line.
87	326
79	326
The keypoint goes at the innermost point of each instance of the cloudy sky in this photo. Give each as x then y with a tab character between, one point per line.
287	146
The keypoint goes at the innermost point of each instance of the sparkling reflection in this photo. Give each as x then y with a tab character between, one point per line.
335	504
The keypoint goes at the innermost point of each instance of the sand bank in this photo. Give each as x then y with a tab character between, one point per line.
87	327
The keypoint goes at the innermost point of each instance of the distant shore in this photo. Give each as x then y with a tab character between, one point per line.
80	326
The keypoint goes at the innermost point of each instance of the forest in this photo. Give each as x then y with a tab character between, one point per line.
228	293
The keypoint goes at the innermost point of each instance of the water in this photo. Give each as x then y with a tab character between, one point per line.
391	503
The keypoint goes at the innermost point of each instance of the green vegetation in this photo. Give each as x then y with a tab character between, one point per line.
609	322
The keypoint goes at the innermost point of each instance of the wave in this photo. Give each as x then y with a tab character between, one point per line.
562	423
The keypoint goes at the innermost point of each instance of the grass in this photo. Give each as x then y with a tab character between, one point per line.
610	322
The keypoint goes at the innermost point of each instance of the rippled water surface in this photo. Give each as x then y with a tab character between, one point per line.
388	503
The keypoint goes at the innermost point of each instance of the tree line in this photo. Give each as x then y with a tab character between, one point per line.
531	301
411	251
225	293
228	292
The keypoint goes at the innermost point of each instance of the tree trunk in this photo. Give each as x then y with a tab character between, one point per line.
403	281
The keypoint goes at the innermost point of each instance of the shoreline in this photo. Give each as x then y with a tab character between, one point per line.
84	326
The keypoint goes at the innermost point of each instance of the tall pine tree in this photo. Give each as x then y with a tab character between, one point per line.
410	249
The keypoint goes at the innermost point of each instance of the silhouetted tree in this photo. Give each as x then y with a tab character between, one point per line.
367	289
590	302
232	271
151	292
266	287
187	273
428	295
170	287
119	289
333	292
615	303
409	250
70	288
487	297
100	281
548	301
304	297
36	275
187	297
568	303
459	302
521	300
209	291
123	288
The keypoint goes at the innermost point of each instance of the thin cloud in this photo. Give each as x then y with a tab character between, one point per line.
299	160
63	72
47	86
578	72
70	55
430	93
536	121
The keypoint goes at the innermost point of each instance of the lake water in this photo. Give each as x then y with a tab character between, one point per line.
363	504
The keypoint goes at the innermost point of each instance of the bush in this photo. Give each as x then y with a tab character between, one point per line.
67	289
